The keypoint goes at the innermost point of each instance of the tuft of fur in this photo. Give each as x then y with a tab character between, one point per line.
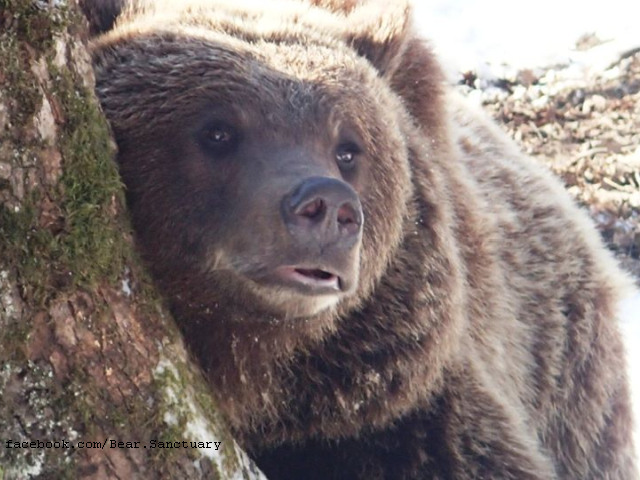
481	341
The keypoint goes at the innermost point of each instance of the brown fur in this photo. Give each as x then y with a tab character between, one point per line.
481	340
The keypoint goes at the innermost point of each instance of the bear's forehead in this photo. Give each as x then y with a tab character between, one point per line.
307	82
200	49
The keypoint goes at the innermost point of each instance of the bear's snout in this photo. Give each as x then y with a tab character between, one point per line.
323	211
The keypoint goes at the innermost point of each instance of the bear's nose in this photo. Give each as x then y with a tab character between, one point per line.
323	210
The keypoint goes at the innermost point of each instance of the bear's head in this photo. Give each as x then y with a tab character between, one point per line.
261	149
284	163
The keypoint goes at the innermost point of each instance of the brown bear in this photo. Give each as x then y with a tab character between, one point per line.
376	282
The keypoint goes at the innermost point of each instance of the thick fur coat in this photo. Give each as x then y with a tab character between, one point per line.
480	339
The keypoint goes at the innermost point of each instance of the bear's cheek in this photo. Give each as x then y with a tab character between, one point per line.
385	202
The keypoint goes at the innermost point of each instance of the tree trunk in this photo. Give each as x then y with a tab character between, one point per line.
87	350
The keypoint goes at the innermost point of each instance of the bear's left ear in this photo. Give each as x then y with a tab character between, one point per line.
380	31
102	14
383	32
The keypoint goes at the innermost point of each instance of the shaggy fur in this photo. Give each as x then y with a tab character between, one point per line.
481	339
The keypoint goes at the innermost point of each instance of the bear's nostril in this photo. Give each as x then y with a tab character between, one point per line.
347	215
313	210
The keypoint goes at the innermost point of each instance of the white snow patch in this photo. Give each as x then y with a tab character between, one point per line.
630	326
126	287
170	418
492	34
126	282
169	391
6	296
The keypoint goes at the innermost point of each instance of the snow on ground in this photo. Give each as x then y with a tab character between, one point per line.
495	39
630	322
484	34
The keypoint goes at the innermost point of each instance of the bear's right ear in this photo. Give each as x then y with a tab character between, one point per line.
101	14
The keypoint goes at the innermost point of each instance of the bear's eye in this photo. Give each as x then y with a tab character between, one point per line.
346	155
219	135
219	138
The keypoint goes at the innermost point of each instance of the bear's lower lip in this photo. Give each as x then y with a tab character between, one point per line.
316	279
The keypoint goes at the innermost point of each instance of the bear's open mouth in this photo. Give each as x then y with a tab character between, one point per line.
315	274
315	278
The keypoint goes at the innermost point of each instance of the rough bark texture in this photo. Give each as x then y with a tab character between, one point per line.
86	352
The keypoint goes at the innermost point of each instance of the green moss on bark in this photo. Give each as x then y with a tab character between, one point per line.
34	22
87	244
18	82
90	190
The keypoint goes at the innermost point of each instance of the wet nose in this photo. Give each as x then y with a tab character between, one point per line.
324	210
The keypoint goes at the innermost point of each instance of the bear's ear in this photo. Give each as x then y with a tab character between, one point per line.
380	30
383	32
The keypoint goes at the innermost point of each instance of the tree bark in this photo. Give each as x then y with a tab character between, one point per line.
87	350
